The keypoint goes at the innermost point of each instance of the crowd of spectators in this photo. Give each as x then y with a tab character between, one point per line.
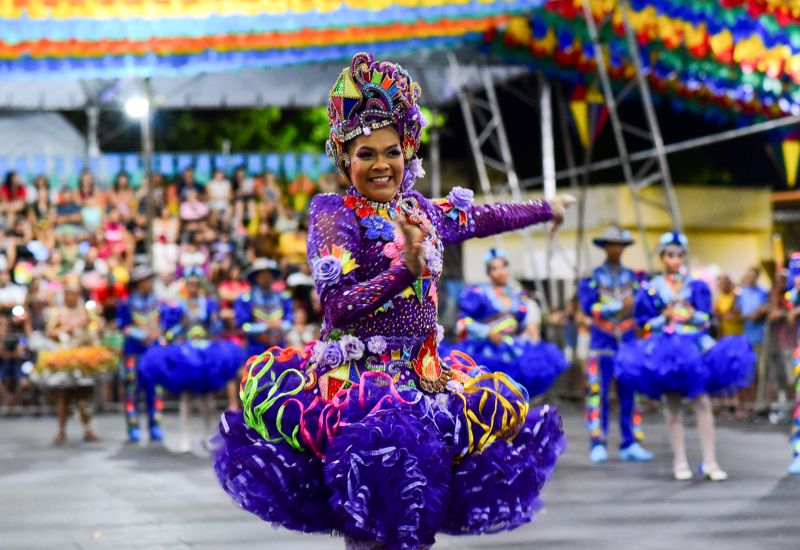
96	234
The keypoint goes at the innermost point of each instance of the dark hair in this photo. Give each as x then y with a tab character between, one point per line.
9	181
121	174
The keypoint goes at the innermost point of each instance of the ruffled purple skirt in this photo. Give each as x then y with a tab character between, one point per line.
731	365
534	366
672	363
381	464
663	364
189	367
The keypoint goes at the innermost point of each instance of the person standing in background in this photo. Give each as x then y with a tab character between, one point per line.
752	304
607	298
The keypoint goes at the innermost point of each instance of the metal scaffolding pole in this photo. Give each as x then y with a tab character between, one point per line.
616	125
548	168
468	80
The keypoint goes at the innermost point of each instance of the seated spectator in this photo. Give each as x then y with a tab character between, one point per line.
292	245
243	185
231	286
115	235
91	203
187	183
41	200
300	192
192	211
120	197
192	255
12	196
68	213
220	195
166	227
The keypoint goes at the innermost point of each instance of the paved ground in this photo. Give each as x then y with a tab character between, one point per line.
112	495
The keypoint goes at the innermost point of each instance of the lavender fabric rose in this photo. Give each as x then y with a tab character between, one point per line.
317	351
327	271
460	198
439	334
333	355
352	347
376	345
412	172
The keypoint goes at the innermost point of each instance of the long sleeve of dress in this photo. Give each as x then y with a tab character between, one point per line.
701	302
457	224
647	309
333	239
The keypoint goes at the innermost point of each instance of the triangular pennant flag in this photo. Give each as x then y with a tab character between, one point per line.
580	115
791	156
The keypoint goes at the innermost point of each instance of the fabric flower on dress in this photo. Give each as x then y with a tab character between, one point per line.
394	250
376	345
433	257
330	265
352	347
378	228
412	172
317	351
327	271
439	333
333	355
460	198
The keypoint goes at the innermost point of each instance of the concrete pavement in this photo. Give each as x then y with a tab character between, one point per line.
111	495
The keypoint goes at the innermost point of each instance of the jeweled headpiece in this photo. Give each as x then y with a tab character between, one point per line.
494	254
370	95
674	239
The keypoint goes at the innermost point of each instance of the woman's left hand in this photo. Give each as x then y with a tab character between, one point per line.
559	205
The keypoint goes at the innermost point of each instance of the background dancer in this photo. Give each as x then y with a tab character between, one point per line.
607	297
678	358
499	335
140	319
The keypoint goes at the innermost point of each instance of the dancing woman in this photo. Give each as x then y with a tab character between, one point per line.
678	358
498	334
369	434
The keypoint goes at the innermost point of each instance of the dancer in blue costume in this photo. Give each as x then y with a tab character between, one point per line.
140	319
499	335
195	362
793	304
678	358
607	297
263	314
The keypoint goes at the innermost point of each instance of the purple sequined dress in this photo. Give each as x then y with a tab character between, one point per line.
369	433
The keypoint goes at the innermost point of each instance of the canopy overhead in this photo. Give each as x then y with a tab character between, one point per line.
718	57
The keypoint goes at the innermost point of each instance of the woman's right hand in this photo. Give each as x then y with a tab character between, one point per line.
415	250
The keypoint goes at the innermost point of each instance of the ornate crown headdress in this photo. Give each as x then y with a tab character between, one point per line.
370	95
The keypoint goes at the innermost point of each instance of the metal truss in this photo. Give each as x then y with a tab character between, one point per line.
654	170
477	97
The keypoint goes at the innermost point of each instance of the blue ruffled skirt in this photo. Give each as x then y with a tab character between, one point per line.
674	363
190	367
534	366
382	464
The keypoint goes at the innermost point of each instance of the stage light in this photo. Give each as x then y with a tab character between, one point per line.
137	107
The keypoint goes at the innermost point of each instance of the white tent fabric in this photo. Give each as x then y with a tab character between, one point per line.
298	86
34	134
